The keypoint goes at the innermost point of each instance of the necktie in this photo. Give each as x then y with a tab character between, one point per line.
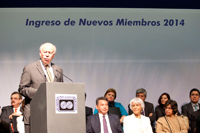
49	76
195	107
11	123
105	125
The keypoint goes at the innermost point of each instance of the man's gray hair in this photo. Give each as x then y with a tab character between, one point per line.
50	44
141	90
137	101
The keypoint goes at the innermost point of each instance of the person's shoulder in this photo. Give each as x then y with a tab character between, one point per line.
32	64
7	107
117	104
180	118
186	105
129	117
157	107
113	115
144	117
160	119
148	103
53	64
93	116
88	107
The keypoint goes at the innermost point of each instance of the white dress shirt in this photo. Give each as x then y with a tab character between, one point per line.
107	122
20	122
50	69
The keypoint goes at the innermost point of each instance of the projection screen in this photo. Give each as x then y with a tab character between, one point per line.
124	49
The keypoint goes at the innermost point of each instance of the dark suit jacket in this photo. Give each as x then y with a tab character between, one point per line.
88	112
4	127
187	110
194	116
31	78
198	124
148	109
93	124
6	112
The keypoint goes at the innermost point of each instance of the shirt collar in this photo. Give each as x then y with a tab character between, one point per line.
43	64
101	115
194	104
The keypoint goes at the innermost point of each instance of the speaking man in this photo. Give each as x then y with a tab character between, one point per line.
36	73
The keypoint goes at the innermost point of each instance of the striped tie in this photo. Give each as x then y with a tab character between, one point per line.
105	125
49	76
195	107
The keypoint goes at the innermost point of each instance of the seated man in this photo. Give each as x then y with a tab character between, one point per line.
102	122
148	107
193	106
13	110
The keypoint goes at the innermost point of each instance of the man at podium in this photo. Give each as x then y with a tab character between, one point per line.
36	73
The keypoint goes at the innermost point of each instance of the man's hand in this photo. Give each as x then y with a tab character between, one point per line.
150	114
122	118
15	113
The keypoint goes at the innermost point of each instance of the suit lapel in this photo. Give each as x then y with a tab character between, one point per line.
145	109
11	109
97	123
54	72
111	123
40	70
190	108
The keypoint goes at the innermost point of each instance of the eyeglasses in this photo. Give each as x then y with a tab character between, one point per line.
14	98
168	108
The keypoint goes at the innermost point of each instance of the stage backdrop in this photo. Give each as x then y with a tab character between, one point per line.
124	49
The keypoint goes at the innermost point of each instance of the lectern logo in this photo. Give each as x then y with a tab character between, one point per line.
66	103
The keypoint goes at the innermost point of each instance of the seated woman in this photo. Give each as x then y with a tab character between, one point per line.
111	95
171	123
159	110
137	123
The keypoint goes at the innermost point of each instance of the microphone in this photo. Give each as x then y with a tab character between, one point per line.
65	76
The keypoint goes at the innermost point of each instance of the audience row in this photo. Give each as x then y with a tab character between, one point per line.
166	117
140	117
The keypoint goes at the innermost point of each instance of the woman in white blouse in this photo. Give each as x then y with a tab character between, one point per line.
137	123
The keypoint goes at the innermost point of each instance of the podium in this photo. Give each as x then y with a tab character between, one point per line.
58	108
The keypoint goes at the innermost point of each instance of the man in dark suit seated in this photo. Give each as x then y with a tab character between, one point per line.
88	110
14	109
193	106
148	107
102	122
